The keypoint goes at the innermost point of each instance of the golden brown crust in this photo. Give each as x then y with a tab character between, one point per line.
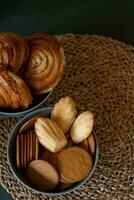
64	113
50	135
42	174
14	93
14	51
91	142
74	164
82	127
46	62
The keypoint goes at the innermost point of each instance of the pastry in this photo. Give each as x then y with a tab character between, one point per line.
46	63
49	134
91	143
82	127
64	113
14	93
14	51
42	174
74	164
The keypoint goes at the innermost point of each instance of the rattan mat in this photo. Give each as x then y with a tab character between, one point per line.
100	77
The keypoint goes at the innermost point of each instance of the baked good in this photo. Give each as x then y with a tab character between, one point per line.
27	148
82	127
24	150
49	134
64	113
46	63
21	151
14	93
74	164
29	124
18	152
84	144
42	174
14	51
91	143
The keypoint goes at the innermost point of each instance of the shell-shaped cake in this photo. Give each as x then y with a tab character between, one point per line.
50	135
64	113
82	127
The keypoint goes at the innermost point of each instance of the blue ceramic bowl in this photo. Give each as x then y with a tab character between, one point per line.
38	101
11	155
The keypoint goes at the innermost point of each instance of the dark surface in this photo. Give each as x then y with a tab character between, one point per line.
111	18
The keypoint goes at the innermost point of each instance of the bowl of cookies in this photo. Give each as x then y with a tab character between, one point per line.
53	150
30	68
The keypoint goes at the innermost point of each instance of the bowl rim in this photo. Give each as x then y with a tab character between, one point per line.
28	110
49	193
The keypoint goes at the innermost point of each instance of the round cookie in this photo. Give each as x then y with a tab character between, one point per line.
42	174
74	164
18	151
31	145
37	148
22	151
25	149
49	157
28	147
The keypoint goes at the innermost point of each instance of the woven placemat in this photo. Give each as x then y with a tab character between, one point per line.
100	77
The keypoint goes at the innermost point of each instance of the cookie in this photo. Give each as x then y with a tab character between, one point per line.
74	164
37	147
82	127
84	144
30	123
22	151
64	113
31	145
53	159
50	135
49	157
42	174
18	152
91	143
28	147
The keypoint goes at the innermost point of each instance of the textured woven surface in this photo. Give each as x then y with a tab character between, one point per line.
100	77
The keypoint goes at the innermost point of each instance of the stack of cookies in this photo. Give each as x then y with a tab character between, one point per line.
56	152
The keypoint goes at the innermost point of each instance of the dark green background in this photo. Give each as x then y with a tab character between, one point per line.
108	17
